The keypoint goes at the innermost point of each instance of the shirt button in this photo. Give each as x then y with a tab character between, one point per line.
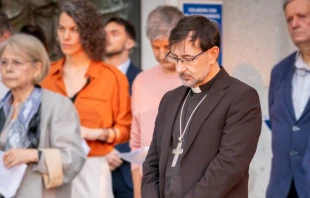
292	153
295	128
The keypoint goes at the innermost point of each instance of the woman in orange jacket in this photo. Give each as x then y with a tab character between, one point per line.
99	92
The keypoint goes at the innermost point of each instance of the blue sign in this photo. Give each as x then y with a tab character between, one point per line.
212	11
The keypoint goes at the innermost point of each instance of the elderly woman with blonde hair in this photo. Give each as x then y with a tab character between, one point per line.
38	128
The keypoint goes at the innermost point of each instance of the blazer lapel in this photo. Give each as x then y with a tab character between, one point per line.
288	88
172	111
45	112
130	74
215	94
307	110
2	119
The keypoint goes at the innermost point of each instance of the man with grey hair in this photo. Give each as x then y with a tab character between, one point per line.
289	108
151	84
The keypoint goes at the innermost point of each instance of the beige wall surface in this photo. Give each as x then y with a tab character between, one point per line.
255	38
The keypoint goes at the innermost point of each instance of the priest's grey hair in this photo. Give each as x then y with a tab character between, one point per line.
161	21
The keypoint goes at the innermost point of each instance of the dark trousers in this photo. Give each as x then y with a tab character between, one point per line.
293	193
120	188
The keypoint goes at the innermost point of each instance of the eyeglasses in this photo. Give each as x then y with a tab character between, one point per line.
15	63
188	61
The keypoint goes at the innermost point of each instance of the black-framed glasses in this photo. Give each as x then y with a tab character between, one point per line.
175	60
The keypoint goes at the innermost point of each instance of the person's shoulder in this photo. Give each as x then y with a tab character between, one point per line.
51	94
132	72
57	62
55	65
146	78
111	70
151	71
133	68
54	98
240	94
171	94
177	89
148	74
56	105
104	65
238	87
285	62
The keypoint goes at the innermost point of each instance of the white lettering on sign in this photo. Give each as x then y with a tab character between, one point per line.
202	10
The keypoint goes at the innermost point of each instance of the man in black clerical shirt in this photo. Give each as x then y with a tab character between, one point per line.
206	131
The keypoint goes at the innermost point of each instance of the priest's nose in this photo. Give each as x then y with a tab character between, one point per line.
180	67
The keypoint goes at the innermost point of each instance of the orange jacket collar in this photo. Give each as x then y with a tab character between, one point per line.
57	66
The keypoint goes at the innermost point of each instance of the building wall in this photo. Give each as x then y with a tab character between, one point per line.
147	57
255	38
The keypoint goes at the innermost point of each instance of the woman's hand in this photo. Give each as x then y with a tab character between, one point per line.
114	160
16	156
94	134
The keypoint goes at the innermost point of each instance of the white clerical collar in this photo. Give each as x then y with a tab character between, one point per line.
124	66
196	89
207	86
300	63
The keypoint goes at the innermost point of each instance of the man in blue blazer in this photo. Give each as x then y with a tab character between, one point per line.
121	37
289	108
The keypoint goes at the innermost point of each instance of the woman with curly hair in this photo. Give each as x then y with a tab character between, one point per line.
99	92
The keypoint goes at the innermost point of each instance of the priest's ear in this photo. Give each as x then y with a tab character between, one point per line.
214	54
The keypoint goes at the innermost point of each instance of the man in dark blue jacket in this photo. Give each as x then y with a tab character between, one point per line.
289	109
121	37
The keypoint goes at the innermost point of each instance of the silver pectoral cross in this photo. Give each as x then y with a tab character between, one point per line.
176	152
